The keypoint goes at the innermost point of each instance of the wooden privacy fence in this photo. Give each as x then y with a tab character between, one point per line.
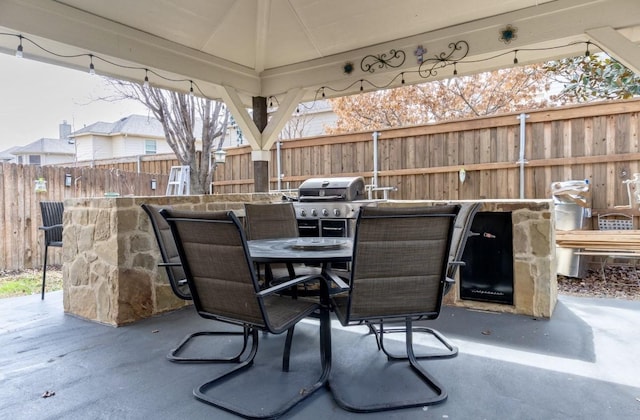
21	242
598	142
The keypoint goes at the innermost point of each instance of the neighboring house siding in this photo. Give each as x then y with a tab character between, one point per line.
318	122
93	147
55	159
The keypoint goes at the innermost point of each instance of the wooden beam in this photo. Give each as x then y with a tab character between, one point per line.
625	51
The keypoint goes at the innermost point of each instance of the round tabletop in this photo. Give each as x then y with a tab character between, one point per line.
301	249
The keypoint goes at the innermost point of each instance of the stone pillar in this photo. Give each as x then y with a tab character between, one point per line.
110	255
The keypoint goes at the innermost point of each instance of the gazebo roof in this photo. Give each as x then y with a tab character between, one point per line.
271	47
245	51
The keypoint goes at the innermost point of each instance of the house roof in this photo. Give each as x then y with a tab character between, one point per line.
8	154
138	125
45	146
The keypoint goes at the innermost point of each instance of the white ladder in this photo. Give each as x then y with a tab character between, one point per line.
179	181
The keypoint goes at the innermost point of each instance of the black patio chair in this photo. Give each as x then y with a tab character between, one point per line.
461	232
52	213
177	279
274	221
399	271
224	286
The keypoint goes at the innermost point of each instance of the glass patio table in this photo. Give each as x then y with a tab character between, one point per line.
323	251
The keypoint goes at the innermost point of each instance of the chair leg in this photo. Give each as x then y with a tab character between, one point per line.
451	350
202	392
439	394
174	354
287	349
44	271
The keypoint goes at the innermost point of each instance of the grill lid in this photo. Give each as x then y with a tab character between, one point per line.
332	189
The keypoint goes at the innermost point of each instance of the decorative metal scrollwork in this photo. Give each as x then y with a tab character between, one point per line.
395	60
429	66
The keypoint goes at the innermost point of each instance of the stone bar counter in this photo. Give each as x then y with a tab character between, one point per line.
110	255
535	286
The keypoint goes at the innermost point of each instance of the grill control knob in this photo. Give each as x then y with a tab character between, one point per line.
325	212
314	212
303	213
336	212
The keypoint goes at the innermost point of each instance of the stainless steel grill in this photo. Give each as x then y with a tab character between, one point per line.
332	189
329	206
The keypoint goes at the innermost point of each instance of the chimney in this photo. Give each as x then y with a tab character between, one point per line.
64	130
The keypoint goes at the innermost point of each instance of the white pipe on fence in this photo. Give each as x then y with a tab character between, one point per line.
374	182
279	165
522	161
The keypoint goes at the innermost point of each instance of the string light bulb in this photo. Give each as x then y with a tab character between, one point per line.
361	87
191	88
515	57
19	49
587	53
402	78
455	69
92	69
146	79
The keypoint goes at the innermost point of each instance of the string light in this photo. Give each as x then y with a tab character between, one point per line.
321	91
19	49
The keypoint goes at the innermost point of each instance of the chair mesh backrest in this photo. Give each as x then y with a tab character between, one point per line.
270	221
220	274
400	261
52	212
460	235
168	251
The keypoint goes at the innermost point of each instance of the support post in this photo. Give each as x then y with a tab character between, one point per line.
260	167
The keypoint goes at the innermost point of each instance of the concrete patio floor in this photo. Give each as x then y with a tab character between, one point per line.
584	363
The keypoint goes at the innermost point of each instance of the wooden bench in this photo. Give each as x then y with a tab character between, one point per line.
606	244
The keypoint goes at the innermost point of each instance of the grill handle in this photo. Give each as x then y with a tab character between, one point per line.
320	198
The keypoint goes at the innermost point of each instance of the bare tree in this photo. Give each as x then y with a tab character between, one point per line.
181	115
296	125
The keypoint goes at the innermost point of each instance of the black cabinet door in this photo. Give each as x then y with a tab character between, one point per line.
488	271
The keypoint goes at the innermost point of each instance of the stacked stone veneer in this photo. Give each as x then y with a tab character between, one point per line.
110	255
534	258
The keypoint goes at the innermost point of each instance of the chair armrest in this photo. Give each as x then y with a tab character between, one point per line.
170	264
45	228
287	284
458	263
337	280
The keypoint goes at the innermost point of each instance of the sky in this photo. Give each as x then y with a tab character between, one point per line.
35	98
